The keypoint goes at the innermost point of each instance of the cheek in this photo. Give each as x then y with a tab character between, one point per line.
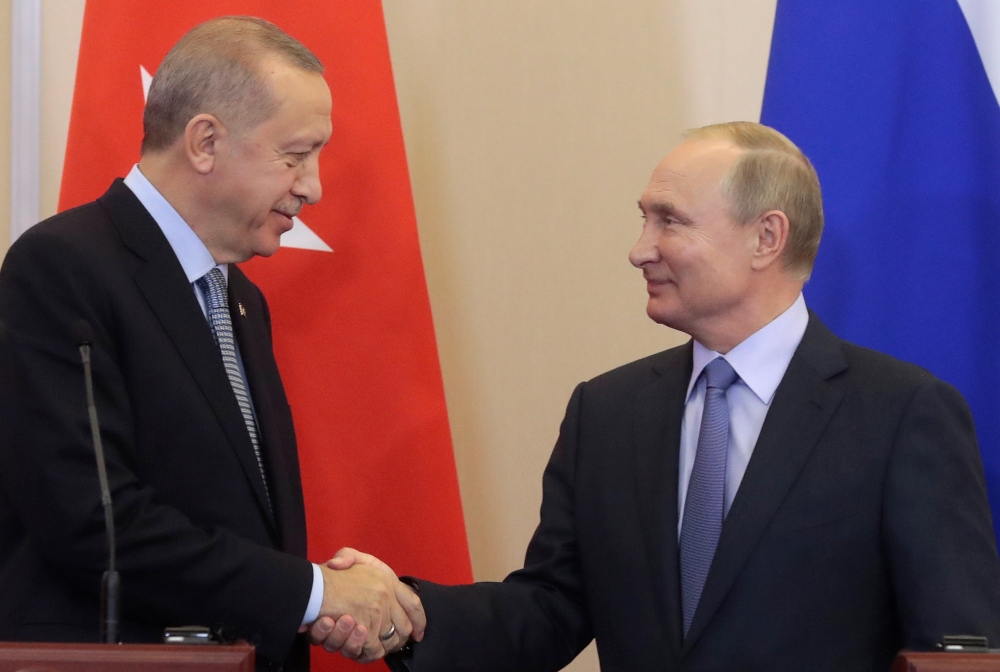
687	263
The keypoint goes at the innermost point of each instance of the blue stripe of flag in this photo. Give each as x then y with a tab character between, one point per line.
891	102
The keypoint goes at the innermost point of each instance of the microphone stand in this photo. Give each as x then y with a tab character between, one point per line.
110	582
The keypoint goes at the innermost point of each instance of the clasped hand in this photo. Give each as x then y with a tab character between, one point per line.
367	611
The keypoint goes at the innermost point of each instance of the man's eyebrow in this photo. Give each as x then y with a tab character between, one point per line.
304	146
664	209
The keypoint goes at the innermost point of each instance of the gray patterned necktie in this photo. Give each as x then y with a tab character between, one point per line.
706	494
213	286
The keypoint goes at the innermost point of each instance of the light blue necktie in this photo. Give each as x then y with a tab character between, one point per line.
706	494
213	286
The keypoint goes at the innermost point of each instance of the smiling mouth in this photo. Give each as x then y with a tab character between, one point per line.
288	219
654	286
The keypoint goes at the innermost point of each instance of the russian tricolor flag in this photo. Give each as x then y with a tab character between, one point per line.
892	100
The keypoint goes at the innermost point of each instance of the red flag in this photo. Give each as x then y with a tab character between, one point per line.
352	326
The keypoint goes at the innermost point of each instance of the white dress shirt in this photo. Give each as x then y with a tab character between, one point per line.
196	261
760	361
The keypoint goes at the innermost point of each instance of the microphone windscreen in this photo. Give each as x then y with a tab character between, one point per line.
83	333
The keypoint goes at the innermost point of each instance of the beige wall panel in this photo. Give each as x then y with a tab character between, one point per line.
531	129
62	21
5	19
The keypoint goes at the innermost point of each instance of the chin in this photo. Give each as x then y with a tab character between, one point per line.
266	251
663	315
268	245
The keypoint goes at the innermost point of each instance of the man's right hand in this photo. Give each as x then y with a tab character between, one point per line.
407	598
359	608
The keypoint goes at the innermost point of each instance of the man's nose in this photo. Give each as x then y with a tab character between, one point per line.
308	186
644	251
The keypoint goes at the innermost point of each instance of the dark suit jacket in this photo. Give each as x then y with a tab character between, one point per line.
861	526
196	541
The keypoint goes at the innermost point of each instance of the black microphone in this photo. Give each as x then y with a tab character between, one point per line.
83	335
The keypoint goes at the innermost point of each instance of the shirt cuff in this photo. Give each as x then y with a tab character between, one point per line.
315	597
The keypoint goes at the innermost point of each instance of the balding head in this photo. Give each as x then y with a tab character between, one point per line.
771	173
216	68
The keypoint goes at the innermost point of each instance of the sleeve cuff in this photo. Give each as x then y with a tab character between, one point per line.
315	597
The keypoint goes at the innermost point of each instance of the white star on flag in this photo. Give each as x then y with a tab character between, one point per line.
300	236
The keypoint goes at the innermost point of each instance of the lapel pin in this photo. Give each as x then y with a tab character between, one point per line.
243	311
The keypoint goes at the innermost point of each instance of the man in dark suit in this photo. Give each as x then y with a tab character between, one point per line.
765	497
196	428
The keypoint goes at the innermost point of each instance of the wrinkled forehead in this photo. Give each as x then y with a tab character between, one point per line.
286	80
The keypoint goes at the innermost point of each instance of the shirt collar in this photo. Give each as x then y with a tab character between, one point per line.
195	258
762	359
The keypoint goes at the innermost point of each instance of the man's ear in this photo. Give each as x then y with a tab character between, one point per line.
202	136
771	238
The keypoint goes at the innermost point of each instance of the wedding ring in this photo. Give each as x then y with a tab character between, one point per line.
387	636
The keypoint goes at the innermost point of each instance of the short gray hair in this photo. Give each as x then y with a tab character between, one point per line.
215	69
772	174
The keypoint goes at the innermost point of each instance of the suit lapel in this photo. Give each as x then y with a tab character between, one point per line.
251	326
162	282
803	405
659	409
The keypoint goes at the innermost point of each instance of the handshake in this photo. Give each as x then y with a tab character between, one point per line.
367	611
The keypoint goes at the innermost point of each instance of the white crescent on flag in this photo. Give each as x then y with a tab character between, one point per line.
300	236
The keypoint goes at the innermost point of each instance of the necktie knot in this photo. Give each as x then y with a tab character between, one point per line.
719	374
213	286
